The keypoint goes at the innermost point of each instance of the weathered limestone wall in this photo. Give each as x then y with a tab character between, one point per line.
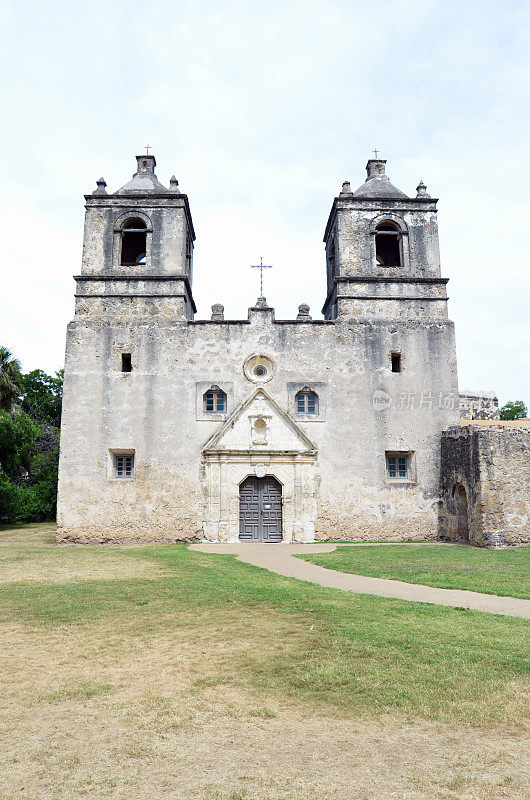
358	286
474	405
390	309
188	462
161	285
167	219
156	410
491	463
356	246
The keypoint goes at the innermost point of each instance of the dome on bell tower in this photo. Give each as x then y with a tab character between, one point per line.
377	183
144	180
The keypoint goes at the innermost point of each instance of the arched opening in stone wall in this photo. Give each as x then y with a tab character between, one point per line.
133	242
388	244
461	512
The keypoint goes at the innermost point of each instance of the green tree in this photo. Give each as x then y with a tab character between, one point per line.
10	379
515	409
42	396
18	435
38	491
30	417
29	457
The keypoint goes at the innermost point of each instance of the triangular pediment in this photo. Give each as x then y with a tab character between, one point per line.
259	425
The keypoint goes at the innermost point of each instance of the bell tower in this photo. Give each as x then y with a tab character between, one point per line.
137	250
382	254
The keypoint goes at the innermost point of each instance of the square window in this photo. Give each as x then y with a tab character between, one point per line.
126	362
124	465
398	466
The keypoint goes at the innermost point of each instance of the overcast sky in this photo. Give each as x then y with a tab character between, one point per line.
262	110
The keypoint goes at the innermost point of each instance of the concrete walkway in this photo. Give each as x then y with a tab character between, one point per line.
279	558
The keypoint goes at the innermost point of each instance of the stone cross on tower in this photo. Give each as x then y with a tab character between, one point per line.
261	266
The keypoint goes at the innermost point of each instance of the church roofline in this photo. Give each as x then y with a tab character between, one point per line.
273	322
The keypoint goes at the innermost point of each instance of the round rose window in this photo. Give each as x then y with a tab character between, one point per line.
259	368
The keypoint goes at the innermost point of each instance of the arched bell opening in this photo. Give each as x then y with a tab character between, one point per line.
388	244
133	242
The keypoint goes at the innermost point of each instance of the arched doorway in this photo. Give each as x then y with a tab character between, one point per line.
462	523
260	510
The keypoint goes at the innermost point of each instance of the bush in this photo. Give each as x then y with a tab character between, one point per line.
36	503
9	501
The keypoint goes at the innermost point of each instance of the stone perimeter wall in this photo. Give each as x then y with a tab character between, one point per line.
492	464
478	406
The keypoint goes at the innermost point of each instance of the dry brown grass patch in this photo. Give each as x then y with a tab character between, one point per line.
159	724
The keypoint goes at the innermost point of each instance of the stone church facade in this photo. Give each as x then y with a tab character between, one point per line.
259	429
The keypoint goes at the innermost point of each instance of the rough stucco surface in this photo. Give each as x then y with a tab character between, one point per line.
478	406
153	411
332	465
491	463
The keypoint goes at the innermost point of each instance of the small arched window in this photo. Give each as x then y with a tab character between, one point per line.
306	402
214	401
388	244
133	242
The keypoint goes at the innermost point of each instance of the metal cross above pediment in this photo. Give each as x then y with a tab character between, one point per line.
261	266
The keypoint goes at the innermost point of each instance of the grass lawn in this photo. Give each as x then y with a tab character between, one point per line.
157	671
501	572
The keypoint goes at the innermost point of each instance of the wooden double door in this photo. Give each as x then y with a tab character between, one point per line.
260	510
